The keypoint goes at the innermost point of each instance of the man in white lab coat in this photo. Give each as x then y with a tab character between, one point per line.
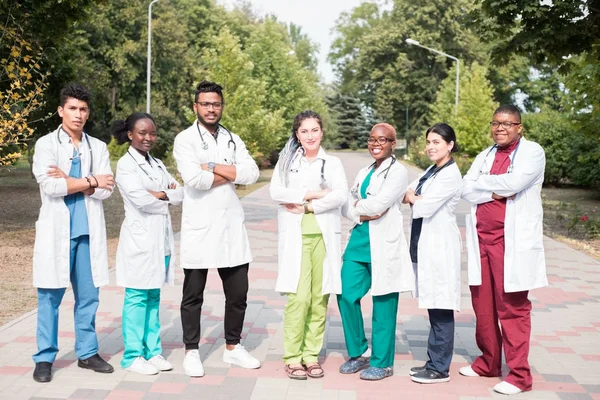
212	161
505	249
73	171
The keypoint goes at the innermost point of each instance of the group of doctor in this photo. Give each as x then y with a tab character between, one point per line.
504	243
74	174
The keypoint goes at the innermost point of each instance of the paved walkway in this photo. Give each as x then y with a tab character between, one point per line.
565	352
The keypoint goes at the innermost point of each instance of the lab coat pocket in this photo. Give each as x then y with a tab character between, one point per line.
530	235
44	243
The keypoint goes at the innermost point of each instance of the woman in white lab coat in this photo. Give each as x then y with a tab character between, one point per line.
146	246
435	248
376	258
311	188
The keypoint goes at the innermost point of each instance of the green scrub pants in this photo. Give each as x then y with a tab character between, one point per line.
356	282
141	325
305	312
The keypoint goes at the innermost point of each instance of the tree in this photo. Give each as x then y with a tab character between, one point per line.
475	108
546	31
22	84
348	115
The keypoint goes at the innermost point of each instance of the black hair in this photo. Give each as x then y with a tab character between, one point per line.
208	87
446	132
76	91
120	127
307	114
287	154
509	109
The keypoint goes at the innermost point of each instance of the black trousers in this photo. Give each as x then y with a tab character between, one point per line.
440	345
235	288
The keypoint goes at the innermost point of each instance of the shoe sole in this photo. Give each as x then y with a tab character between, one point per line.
42	380
194	375
429	381
142	373
358	370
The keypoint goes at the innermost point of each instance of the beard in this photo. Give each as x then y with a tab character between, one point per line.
207	124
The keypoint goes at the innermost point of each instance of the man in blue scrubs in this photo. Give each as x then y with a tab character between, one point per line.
70	243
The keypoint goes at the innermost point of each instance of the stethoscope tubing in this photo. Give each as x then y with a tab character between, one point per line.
87	139
230	141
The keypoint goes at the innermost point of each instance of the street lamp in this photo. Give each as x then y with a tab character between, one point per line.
415	43
149	68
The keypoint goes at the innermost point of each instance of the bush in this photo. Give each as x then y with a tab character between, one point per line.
116	150
555	133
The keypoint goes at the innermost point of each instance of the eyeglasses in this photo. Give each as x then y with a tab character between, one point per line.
207	104
379	140
505	125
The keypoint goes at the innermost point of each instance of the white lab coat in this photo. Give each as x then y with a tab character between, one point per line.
213	234
51	252
439	247
303	177
141	251
524	261
391	267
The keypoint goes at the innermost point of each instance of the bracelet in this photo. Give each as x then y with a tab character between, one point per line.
97	184
89	181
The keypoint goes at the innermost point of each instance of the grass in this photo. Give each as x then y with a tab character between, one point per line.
21	202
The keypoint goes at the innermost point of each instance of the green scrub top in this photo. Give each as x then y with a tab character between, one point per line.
359	245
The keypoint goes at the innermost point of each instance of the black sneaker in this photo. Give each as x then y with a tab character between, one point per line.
416	370
42	372
429	376
96	363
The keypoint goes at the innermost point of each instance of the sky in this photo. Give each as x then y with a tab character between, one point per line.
316	17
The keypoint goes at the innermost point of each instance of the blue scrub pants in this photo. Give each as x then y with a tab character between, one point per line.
440	345
141	324
86	304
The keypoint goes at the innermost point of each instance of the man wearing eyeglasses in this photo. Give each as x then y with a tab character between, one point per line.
505	249
212	161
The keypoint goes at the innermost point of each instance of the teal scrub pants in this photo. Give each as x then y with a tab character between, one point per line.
356	282
141	325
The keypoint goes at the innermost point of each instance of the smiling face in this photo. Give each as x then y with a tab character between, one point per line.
310	134
143	136
207	113
381	151
74	115
438	150
505	136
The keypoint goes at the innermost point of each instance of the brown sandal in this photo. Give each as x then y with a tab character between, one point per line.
311	367
292	372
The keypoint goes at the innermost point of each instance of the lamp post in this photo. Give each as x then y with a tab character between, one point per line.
415	43
149	66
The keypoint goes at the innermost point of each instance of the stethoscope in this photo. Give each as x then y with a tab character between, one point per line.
483	171
153	178
323	183
386	171
76	149
229	142
433	175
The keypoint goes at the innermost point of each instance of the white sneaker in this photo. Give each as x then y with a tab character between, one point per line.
160	363
468	371
507	388
192	364
239	356
143	367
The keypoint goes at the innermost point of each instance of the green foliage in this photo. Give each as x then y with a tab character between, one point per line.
116	150
554	132
352	127
475	108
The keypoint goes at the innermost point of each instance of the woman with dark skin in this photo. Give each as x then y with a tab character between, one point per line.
146	245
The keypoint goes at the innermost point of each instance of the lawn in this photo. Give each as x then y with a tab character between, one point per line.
20	207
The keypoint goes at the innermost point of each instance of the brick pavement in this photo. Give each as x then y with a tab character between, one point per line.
565	353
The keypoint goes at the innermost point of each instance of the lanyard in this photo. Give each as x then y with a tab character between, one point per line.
434	172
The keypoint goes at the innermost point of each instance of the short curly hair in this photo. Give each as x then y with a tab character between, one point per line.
75	91
209	87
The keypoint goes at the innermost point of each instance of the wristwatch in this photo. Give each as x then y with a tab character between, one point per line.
211	166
